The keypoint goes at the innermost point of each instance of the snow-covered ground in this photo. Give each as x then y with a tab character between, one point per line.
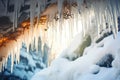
91	66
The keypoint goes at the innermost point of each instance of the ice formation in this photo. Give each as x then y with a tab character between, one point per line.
82	16
17	7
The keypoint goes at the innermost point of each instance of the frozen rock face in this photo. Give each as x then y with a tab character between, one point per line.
5	25
20	8
9	18
7	7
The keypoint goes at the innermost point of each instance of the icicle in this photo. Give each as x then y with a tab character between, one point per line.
113	30
15	15
79	4
38	10
6	6
32	11
45	2
114	16
5	63
19	45
36	39
60	6
12	61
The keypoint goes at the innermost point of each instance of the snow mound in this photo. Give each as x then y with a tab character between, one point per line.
85	68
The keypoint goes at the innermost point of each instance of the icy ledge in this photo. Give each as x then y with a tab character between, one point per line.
85	67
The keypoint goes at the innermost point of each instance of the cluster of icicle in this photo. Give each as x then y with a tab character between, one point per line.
11	49
29	35
88	17
106	13
17	7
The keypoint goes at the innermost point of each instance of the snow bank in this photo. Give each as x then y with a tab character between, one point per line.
85	67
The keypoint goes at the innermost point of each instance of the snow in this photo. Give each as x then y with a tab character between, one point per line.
85	68
20	73
116	62
29	57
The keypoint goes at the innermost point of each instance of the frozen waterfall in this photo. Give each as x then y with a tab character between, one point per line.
62	22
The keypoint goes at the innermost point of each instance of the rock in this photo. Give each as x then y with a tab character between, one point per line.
38	65
85	43
23	16
106	61
10	8
5	25
24	8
